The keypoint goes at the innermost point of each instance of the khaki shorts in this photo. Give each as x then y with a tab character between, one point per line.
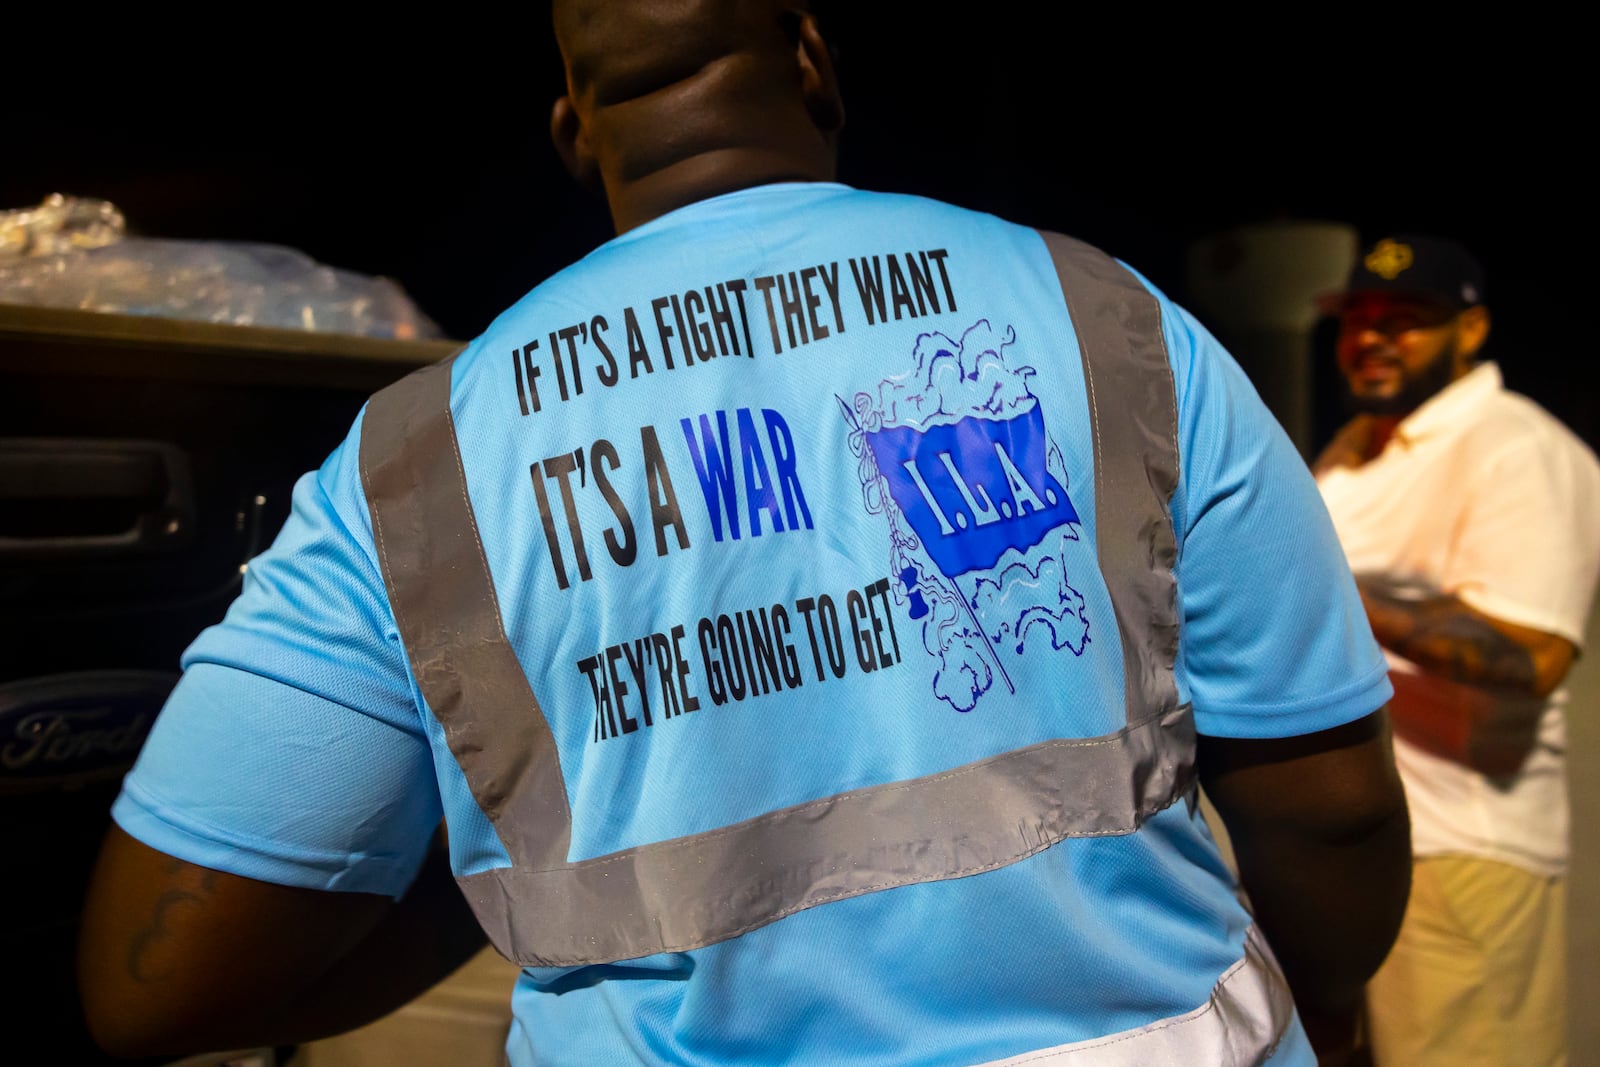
1478	975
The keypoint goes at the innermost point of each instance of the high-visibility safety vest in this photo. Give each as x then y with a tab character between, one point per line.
675	895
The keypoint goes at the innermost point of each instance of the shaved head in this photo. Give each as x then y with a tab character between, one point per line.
670	101
620	50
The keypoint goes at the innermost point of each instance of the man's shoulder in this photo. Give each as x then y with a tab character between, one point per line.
1511	423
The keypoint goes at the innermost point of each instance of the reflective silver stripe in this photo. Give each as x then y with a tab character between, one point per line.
1133	411
1249	1012
696	890
449	618
692	891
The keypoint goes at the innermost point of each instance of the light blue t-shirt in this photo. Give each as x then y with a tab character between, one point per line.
699	464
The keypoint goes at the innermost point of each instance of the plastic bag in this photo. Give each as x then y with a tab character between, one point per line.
73	253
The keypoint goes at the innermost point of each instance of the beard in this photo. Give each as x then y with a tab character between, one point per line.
1414	389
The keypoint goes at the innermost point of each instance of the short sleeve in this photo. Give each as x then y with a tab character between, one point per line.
1528	545
1274	641
292	750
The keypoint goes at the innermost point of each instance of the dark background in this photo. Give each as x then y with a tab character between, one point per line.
416	147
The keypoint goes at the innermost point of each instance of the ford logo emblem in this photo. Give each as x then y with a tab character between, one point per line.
62	730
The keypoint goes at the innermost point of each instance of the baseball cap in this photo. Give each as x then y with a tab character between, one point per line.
1416	265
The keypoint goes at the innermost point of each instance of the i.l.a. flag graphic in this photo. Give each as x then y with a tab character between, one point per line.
973	488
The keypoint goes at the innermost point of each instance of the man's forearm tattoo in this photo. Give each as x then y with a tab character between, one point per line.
145	953
1444	636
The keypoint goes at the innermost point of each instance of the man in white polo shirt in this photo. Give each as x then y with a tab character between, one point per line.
1471	518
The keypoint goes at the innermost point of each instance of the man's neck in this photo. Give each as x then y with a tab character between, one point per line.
1383	428
701	177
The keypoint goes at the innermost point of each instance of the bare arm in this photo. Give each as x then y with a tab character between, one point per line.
1444	636
1479	699
1322	839
175	958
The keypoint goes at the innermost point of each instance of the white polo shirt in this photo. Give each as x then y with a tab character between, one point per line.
1483	495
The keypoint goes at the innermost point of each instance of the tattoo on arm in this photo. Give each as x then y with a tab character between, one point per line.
145	964
1446	637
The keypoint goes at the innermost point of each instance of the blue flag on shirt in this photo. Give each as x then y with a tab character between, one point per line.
974	488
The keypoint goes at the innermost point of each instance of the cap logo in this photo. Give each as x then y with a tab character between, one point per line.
1388	258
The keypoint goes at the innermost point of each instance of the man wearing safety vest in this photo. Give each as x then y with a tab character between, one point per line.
811	615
